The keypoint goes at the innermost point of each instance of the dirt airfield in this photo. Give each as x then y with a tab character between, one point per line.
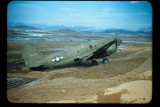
126	79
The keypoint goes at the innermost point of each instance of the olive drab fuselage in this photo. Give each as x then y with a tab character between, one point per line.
85	51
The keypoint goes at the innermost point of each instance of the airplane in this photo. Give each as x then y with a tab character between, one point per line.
90	51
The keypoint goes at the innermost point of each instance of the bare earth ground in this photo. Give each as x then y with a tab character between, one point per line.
126	79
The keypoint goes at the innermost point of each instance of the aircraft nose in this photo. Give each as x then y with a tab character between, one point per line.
119	41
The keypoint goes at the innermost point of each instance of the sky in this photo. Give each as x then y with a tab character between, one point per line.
129	15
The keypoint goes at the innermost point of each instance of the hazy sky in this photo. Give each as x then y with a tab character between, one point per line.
101	14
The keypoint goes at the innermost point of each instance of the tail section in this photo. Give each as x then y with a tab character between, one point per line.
31	55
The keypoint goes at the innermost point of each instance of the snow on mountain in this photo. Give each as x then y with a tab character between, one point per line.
84	29
145	29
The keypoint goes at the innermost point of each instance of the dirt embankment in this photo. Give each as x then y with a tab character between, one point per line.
115	82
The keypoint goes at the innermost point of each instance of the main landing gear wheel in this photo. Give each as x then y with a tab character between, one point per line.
94	62
105	60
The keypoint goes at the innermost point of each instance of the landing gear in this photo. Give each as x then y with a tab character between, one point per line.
105	60
94	62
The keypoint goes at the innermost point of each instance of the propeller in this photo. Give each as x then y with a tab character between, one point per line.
118	42
119	49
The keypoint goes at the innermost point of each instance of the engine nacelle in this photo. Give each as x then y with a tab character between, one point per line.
112	49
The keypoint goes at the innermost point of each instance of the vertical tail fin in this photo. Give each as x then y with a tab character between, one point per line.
31	55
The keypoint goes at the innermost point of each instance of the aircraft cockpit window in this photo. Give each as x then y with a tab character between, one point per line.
90	46
77	59
57	59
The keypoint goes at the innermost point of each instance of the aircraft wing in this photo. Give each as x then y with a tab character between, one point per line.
101	52
86	56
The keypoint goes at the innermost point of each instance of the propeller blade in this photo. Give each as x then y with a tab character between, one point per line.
119	49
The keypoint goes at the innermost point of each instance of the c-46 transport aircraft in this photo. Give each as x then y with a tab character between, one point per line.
90	51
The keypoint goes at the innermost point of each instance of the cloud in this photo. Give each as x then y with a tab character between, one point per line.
77	15
67	9
23	6
105	10
111	15
123	15
142	13
133	2
103	13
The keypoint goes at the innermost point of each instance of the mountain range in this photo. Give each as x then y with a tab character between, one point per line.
83	29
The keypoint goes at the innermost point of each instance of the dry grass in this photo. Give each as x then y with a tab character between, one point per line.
109	70
77	84
113	98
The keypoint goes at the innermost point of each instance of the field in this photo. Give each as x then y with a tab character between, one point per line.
126	79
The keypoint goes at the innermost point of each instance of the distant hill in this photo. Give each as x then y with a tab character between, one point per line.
113	31
66	31
55	28
145	31
26	27
122	31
